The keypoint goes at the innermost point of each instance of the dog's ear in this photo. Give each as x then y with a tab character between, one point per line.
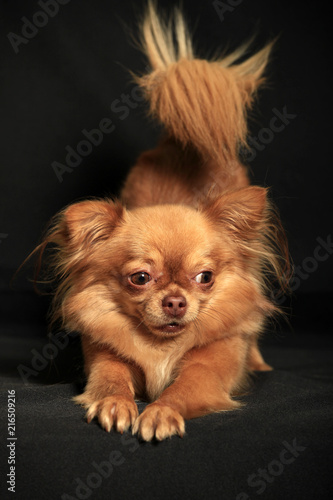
85	224
242	213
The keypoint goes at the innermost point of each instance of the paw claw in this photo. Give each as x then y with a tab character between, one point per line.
159	422
118	412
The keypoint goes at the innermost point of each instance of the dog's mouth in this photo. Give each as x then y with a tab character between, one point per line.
171	328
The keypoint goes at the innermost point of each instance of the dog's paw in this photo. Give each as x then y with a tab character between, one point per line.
159	421
118	412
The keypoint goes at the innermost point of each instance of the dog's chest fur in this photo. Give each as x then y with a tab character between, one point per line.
160	367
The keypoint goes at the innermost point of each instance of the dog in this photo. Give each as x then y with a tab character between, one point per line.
169	284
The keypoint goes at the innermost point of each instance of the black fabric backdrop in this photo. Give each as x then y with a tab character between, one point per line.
63	74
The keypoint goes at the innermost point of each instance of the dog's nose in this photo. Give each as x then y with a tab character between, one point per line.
174	306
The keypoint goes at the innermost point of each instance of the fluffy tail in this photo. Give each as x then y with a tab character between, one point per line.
201	103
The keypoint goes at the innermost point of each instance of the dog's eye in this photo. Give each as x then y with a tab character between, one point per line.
140	278
204	277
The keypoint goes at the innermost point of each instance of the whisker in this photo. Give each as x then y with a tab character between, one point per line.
137	326
211	313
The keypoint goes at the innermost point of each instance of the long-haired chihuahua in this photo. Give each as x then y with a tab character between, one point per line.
169	285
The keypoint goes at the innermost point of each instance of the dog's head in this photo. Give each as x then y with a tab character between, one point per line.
166	260
169	267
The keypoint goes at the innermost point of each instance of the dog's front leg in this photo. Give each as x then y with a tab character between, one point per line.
110	389
206	380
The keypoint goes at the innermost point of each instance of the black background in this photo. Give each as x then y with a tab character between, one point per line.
65	80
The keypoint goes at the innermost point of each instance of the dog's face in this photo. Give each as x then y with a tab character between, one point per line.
168	267
165	264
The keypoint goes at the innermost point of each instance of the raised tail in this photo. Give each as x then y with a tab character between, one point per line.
201	103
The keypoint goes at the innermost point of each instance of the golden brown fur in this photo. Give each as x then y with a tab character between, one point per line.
169	286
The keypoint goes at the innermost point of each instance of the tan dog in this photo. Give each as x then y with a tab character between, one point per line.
168	287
